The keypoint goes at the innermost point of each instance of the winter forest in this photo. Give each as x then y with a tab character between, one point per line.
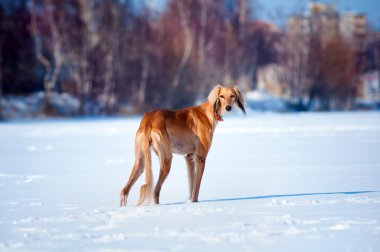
124	57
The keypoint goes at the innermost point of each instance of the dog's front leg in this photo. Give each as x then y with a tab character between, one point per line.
199	169
190	172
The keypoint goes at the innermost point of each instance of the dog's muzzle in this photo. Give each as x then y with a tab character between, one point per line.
228	108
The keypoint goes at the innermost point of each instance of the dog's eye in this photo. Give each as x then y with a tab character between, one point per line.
232	96
222	96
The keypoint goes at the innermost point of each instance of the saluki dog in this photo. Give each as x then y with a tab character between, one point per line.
187	132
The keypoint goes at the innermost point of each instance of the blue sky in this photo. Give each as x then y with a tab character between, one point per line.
268	9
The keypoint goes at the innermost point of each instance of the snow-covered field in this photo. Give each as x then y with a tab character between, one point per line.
273	182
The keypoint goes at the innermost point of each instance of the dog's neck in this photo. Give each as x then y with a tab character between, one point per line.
215	115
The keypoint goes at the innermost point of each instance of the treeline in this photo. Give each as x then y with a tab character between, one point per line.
114	52
123	54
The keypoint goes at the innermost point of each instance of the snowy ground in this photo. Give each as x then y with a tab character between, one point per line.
288	182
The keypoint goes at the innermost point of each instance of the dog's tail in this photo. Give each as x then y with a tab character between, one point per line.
146	190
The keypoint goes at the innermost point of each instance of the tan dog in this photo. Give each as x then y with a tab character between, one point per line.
187	132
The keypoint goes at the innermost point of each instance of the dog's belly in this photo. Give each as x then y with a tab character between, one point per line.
181	146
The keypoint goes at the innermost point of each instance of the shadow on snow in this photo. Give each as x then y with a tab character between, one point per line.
275	196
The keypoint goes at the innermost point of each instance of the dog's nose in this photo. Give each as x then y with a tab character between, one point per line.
228	108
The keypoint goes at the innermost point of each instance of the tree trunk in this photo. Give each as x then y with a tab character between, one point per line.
109	84
205	5
1	67
143	82
53	66
188	43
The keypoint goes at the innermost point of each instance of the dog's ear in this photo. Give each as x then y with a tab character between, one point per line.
213	98
239	99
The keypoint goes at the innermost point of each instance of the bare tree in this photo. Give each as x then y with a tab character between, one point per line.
145	48
78	52
1	67
51	46
296	60
338	71
188	37
110	33
204	7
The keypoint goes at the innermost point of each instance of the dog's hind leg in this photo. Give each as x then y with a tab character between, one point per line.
162	146
137	170
165	165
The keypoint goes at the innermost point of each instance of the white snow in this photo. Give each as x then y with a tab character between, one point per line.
273	182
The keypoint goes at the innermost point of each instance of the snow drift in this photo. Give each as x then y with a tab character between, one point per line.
292	182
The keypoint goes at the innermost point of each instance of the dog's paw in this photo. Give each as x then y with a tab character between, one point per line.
193	200
123	199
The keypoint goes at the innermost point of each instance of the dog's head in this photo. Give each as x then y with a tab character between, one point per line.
223	99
